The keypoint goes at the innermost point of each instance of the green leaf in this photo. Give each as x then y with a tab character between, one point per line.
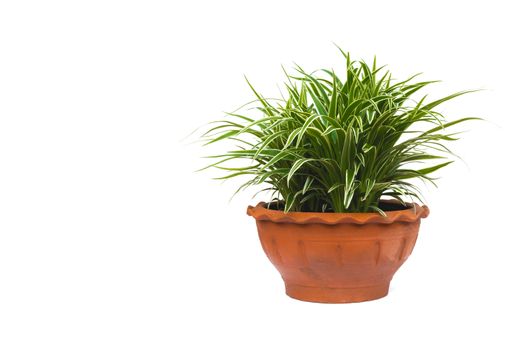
431	169
307	184
225	135
446	125
334	187
349	186
378	210
369	185
333	103
296	166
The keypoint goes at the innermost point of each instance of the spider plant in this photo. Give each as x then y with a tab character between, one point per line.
337	143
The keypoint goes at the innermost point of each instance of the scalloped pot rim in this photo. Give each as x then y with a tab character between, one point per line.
260	212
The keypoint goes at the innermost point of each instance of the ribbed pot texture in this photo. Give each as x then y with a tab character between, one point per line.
337	257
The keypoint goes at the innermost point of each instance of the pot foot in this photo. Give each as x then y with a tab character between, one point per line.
337	295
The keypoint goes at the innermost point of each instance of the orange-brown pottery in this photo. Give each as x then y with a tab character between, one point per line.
337	257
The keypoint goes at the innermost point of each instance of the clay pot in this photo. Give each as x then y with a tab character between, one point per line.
337	257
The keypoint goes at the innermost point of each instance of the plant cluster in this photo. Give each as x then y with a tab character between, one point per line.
337	143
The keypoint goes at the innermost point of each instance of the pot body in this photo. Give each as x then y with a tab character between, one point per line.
337	258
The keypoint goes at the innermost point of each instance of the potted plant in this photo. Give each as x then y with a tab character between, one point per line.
338	154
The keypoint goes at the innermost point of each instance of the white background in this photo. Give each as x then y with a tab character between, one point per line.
108	240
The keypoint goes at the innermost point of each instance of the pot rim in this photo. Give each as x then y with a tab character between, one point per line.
411	214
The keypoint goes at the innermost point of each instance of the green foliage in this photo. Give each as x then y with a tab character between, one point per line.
337	143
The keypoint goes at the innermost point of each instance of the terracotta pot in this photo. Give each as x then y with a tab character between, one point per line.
337	257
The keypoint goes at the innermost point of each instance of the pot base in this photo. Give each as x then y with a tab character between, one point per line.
337	295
